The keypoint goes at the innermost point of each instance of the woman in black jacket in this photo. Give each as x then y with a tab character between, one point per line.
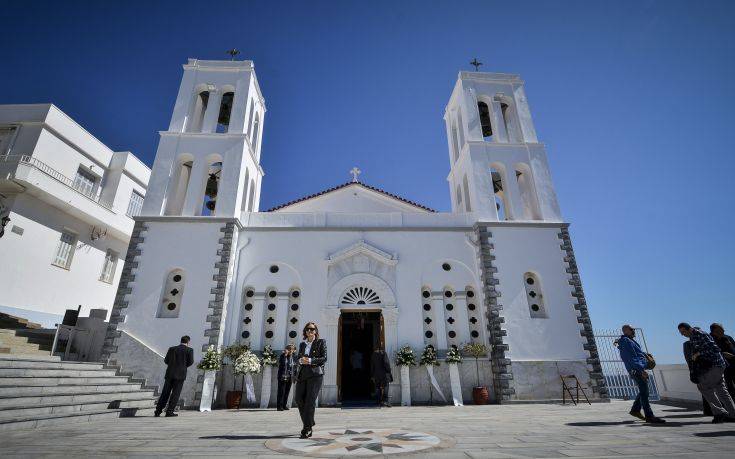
311	358
285	373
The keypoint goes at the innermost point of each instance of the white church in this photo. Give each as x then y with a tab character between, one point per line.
369	267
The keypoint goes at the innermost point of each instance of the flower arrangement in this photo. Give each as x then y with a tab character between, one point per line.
247	363
428	357
232	352
476	350
453	355
269	357
405	357
211	361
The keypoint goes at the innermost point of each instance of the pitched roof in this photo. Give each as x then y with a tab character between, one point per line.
344	185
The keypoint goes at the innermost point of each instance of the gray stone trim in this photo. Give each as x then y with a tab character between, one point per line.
213	329
597	379
501	367
124	289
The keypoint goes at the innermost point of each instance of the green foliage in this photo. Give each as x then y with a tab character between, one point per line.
269	357
405	356
211	361
476	350
428	357
453	355
232	352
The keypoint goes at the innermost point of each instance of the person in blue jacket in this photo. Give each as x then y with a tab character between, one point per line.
635	362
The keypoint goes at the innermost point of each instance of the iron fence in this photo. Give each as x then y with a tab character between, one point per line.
619	383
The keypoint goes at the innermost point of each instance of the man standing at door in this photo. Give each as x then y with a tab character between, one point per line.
381	374
178	359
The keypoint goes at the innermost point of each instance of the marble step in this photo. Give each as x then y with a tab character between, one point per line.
60	381
54	372
29	363
34	358
31	391
88	397
62	408
66	418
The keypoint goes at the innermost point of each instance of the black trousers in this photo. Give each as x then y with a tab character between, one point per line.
307	391
170	395
284	387
381	392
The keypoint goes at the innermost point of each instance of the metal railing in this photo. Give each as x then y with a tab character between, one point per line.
77	342
30	161
619	383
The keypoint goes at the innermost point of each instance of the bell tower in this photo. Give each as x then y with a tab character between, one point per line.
208	161
498	168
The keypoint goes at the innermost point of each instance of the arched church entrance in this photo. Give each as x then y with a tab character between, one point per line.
361	330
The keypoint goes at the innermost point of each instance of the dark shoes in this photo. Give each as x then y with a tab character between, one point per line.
171	415
655	420
279	409
637	414
387	404
305	433
719	419
285	408
156	413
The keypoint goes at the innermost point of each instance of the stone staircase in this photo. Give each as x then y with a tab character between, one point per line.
38	390
19	336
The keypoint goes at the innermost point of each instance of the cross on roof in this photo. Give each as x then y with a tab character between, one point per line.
233	52
355	172
476	63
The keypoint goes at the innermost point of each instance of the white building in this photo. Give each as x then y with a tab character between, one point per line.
369	267
70	202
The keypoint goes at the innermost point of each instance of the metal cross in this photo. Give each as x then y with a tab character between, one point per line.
233	52
476	63
355	172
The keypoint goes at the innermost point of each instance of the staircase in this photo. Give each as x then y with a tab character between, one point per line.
42	390
19	336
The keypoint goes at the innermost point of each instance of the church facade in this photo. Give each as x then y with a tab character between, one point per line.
369	267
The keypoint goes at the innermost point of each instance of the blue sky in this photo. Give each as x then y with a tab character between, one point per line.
634	101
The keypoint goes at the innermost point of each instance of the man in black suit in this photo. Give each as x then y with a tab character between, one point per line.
178	359
381	374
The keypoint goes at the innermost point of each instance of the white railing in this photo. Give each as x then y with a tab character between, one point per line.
30	161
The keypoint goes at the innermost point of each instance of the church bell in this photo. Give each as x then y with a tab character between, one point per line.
211	189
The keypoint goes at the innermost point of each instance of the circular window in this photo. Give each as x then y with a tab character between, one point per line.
246	320
171	306
534	307
292	334
272	294
269	334
449	306
452	334
448	294
248	307
426	294
295	294
294	307
271	307
427	307
529	280
249	293
177	278
471	307
446	266
474	334
428	334
470	294
274	269
245	334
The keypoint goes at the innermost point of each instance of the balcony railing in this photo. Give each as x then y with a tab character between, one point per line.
30	161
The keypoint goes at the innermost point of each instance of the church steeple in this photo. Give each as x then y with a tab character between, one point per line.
498	169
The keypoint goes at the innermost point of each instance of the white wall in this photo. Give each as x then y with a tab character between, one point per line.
673	383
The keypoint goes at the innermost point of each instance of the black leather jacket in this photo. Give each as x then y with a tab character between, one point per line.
318	356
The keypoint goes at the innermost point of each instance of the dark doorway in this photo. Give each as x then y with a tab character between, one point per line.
360	334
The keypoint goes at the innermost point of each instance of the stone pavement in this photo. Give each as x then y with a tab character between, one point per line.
508	431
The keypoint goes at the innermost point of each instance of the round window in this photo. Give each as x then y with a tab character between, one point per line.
269	334
295	294
427	307
449	306
249	293
271	307
529	280
274	269
248	307
272	294
452	334
534	307
428	334
448	294
426	294
177	278
471	307
294	307
292	334
245	334
171	306
446	266
470	294
474	333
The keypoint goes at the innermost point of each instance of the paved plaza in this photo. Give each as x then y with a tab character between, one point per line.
508	431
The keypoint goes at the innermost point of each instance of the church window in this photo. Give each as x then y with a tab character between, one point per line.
446	266
449	306
274	269
250	118
427	307
177	187
251	195
487	128
426	293
292	334
245	334
500	194
360	296
256	134
471	307
455	142
293	315
466	185
272	307
474	334
245	188
225	110
211	188
528	196
427	320
534	296
247	320
65	250
196	118
249	307
173	291
460	129
459	198
452	334
448	293
108	267
474	323
295	294
429	334
294	307
470	294
135	205
249	293
272	294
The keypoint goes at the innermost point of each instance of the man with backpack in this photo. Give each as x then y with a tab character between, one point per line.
708	374
636	361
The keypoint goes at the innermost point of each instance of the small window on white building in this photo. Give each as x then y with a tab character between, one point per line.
173	290
65	250
135	205
108	267
534	296
487	128
85	182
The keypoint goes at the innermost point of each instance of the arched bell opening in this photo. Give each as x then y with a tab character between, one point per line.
211	188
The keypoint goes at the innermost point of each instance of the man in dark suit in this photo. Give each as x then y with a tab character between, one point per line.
178	359
382	376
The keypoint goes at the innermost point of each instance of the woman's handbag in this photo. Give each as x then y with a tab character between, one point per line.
650	362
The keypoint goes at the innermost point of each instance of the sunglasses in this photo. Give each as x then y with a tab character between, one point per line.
311	329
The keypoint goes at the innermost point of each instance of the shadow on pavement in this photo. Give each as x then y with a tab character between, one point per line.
680	416
722	433
631	423
244	437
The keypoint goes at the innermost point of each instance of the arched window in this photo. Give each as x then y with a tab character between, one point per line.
360	296
487	128
256	134
459	199
178	184
196	117
245	184
169	305
211	188
455	142
500	195
534	296
528	194
467	205
225	110
250	118
251	196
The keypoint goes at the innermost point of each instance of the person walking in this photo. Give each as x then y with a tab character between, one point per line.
727	347
710	375
693	369
635	361
177	360
311	358
285	374
381	375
